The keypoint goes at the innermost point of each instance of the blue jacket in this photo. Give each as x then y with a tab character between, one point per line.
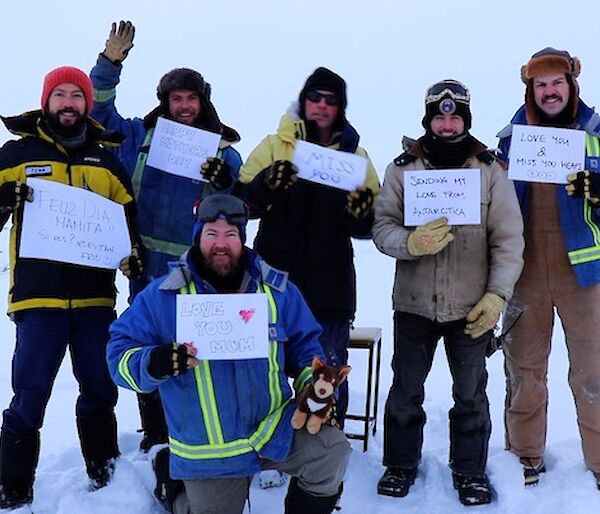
580	222
223	415
164	201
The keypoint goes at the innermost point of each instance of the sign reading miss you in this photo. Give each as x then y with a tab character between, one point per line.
224	326
70	224
180	149
322	165
432	194
545	154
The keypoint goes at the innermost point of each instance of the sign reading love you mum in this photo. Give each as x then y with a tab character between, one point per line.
224	326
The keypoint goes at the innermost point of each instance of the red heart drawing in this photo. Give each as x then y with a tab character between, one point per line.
246	314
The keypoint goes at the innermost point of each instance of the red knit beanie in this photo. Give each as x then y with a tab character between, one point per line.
68	75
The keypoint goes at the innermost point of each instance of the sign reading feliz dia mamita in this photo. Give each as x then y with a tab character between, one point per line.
224	326
74	225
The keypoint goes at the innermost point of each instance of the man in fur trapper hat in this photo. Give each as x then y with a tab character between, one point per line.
165	201
304	225
562	271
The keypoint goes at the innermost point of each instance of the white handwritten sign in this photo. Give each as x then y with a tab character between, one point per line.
545	154
432	194
180	149
224	326
70	224
342	170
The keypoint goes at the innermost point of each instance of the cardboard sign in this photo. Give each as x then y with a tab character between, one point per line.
70	224
224	326
342	170
180	149
545	154
432	194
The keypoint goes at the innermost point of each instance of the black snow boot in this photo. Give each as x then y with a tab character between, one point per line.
18	460
166	489
396	481
154	425
472	490
298	501
99	447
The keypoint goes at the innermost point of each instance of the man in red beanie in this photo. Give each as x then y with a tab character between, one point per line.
561	273
54	305
165	201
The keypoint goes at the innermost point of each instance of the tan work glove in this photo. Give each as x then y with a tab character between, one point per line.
484	315
119	42
430	238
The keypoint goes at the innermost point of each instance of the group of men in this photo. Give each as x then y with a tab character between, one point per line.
226	420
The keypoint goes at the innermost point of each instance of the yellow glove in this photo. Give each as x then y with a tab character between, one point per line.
430	238
119	42
484	315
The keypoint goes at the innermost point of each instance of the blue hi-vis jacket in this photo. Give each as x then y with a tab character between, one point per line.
164	201
223	416
580	222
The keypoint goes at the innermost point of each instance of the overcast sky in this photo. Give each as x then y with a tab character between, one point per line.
258	53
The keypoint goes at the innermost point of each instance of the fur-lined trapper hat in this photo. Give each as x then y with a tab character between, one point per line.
546	62
182	78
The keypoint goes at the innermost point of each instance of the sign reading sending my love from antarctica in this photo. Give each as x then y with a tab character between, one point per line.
545	154
71	224
432	194
180	149
342	170
224	326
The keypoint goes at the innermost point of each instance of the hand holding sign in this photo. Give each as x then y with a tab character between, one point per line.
217	172
170	360
430	238
584	184
280	175
359	202
13	194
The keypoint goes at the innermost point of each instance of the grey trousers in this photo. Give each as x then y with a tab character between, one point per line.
318	461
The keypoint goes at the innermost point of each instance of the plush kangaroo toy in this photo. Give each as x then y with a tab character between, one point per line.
316	401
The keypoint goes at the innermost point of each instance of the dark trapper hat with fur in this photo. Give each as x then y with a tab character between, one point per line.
327	80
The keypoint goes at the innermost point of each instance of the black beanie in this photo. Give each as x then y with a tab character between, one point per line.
327	80
447	97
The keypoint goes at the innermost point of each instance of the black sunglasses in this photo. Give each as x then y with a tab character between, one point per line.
315	97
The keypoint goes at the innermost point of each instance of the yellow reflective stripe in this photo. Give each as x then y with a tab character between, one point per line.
208	403
592	145
138	172
272	304
583	255
161	246
275	393
304	376
255	442
124	369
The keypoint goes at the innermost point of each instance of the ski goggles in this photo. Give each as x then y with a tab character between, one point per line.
315	97
452	88
224	206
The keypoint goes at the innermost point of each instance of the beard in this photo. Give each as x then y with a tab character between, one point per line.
66	131
224	276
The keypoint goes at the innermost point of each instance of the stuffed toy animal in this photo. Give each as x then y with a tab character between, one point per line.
316	400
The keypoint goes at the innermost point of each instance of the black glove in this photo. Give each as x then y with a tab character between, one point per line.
217	172
584	184
132	266
280	175
13	194
169	360
359	202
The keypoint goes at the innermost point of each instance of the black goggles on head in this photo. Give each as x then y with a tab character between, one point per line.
315	97
218	206
452	88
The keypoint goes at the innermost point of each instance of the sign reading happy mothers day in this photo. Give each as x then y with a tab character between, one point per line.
180	149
